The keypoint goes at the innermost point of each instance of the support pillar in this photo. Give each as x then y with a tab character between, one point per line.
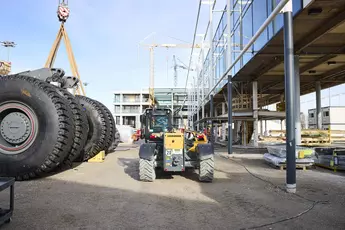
211	116
255	113
244	134
266	131
261	127
318	105
298	101
230	134
290	100
223	108
223	131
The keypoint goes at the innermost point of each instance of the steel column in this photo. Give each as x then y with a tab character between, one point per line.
211	116
230	138
255	113
318	105
298	101
290	99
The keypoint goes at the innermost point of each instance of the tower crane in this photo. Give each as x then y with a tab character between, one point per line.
151	48
183	66
63	14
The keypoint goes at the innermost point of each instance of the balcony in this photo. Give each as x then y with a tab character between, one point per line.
130	110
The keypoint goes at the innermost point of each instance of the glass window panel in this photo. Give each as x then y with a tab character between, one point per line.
297	6
278	21
237	38
270	26
247	57
259	17
248	26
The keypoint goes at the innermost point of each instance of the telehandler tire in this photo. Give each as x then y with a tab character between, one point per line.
110	136
206	170
36	127
81	128
147	170
96	139
116	141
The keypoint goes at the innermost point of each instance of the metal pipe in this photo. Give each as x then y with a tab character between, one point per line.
270	18
230	115
290	100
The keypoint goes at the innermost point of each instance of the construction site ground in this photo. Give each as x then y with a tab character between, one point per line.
108	195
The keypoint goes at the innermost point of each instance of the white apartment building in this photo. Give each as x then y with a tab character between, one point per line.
129	105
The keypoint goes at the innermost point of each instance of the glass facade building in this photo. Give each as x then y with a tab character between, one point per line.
247	16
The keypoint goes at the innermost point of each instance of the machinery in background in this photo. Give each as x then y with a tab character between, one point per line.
172	151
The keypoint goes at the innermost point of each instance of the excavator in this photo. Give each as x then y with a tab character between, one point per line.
171	150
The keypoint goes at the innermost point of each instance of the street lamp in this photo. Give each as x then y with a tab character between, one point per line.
8	45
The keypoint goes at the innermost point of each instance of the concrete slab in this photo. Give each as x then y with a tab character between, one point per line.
109	196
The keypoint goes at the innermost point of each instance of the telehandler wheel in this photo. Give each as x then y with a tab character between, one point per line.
206	170
81	128
36	127
110	136
116	141
96	138
147	170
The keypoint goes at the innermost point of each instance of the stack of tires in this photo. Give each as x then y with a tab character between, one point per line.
44	128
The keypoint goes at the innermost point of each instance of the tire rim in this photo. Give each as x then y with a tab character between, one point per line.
18	127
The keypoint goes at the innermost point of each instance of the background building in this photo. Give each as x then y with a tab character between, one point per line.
129	105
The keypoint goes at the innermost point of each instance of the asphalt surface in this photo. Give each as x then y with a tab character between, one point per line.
108	195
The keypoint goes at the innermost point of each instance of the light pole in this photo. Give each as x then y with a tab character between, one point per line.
8	45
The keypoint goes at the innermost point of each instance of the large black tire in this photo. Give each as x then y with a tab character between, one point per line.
206	170
81	128
96	139
147	171
50	127
115	142
110	136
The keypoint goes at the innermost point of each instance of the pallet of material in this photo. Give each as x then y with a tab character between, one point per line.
280	162
325	158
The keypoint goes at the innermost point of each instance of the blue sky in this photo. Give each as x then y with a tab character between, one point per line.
105	36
